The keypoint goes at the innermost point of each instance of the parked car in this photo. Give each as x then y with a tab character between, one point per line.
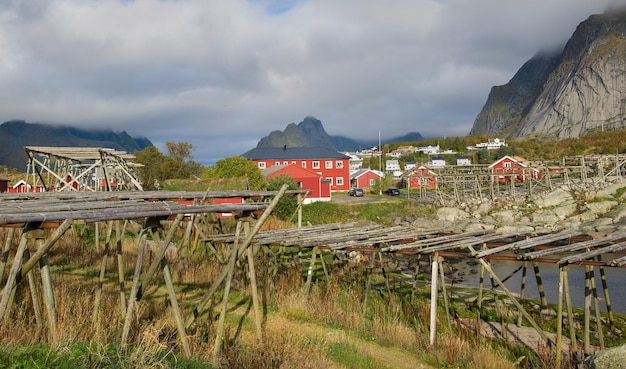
392	191
357	192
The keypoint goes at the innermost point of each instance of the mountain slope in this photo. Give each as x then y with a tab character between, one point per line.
579	91
311	133
14	135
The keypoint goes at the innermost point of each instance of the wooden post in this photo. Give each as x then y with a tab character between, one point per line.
596	308
253	287
309	276
219	331
444	292
522	294
542	292
559	318
175	308
13	274
34	294
120	264
382	267
135	287
607	298
587	318
103	264
433	299
48	295
300	203
570	313
5	252
481	282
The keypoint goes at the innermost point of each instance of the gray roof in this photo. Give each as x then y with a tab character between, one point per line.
292	153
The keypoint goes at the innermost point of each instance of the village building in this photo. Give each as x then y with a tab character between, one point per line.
331	165
436	162
507	169
4	185
365	178
306	179
429	150
392	165
491	144
463	160
420	178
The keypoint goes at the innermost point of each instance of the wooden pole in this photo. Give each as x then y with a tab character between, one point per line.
587	318
103	264
5	252
596	308
309	276
48	295
253	287
141	247
522	294
607	298
167	276
219	331
120	265
433	299
559	318
542	292
570	313
34	294
8	291
444	292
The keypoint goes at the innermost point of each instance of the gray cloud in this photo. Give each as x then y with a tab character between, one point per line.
223	74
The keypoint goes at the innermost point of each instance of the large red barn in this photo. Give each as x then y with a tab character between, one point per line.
507	168
331	165
307	179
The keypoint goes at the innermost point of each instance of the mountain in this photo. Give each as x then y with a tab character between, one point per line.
565	94
311	133
14	135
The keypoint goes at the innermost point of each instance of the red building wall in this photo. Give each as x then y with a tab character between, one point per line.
335	170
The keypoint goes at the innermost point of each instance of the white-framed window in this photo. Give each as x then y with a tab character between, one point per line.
372	181
507	164
285	162
277	163
339	164
304	164
261	165
329	164
330	180
293	162
316	165
339	181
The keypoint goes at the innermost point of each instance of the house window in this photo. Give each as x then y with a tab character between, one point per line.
507	164
285	162
304	164
329	164
293	162
316	165
372	181
330	180
339	181
277	163
261	165
339	164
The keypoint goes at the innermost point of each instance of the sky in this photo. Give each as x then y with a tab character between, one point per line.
222	74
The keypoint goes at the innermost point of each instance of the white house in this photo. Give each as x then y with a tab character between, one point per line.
436	162
392	165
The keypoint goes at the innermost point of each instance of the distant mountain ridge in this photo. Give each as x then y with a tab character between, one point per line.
16	134
311	133
565	94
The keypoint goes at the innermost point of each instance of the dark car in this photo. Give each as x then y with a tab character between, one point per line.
357	192
392	191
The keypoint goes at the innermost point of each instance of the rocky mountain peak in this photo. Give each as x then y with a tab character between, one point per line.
565	94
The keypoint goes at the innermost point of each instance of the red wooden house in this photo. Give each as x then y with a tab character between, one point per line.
507	169
421	178
307	179
364	178
331	165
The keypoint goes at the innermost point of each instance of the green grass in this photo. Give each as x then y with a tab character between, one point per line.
349	356
384	213
83	355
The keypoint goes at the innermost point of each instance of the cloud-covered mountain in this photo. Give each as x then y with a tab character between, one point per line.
311	133
566	94
14	135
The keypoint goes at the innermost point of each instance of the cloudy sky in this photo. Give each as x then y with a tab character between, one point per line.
222	74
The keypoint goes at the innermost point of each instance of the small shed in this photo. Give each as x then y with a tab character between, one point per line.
4	185
364	178
421	178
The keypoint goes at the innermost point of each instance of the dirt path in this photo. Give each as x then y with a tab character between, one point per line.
390	357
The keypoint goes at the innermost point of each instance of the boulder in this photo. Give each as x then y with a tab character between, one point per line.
610	190
554	198
449	214
601	207
611	358
505	216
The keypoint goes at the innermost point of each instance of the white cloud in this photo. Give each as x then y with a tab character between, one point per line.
222	74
